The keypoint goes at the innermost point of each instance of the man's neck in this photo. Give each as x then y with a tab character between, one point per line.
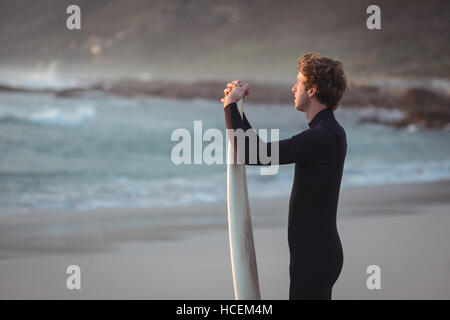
313	110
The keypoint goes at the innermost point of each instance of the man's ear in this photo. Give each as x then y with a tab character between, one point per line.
312	91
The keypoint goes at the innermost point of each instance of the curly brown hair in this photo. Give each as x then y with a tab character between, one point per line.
326	74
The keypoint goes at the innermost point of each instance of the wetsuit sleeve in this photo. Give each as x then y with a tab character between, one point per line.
246	123
309	146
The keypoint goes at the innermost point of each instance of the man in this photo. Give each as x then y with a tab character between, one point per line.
316	255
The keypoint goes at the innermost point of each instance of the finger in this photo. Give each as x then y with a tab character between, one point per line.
247	89
236	82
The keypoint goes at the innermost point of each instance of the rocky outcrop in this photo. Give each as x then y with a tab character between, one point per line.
422	107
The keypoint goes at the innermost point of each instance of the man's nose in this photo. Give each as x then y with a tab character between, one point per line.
293	88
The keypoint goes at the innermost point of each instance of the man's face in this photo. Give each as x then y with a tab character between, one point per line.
302	99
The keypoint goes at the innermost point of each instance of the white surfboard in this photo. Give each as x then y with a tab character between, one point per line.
242	248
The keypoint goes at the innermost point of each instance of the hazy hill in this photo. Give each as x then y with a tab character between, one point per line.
255	39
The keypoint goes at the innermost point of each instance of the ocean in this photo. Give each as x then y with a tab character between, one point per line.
103	151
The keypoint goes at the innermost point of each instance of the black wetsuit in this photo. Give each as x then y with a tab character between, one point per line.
316	255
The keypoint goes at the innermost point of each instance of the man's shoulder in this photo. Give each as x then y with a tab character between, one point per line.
319	136
334	125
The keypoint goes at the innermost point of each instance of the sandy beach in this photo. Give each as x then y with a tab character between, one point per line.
182	253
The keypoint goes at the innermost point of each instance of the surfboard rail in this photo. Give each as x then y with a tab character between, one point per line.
242	247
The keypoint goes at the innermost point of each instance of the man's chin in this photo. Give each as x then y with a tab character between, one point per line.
299	108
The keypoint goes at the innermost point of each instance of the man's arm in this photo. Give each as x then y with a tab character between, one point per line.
246	123
309	146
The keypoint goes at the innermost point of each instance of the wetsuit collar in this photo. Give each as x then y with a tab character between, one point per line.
322	114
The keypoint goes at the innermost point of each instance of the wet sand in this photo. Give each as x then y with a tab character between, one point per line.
182	253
